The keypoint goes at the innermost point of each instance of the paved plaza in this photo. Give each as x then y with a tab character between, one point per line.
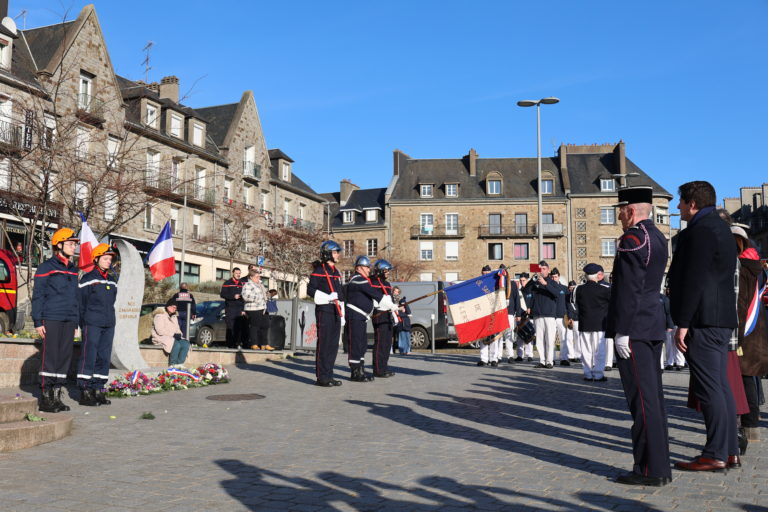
442	435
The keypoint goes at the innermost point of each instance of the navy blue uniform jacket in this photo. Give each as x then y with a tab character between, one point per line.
229	289
543	299
561	309
319	279
98	292
638	270
701	290
386	288
513	307
55	295
592	301
361	293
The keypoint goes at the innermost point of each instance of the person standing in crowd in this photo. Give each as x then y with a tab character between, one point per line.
255	299
524	348
703	304
675	359
592	301
272	302
325	289
383	320
186	307
544	292
513	314
98	291
166	332
234	314
752	331
572	325
560	313
55	312
489	345
636	323
403	327
360	294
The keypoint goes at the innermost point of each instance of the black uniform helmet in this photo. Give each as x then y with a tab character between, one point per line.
381	266
363	261
327	247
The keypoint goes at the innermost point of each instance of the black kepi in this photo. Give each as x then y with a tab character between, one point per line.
633	195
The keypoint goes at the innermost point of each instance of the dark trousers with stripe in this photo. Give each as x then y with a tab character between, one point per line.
328	331
57	352
707	358
95	354
237	328
382	346
357	339
641	379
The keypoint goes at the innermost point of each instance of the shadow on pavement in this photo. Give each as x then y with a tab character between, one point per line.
263	489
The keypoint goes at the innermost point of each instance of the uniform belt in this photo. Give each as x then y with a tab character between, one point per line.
355	308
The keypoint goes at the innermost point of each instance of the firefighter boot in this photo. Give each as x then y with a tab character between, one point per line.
61	405
101	397
47	402
87	398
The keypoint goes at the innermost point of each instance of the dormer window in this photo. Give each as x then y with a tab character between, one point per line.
197	135
547	186
285	171
425	190
177	125
153	114
451	190
607	185
371	215
348	217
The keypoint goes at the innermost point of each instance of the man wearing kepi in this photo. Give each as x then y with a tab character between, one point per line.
636	322
544	292
326	290
360	294
98	291
383	320
703	304
55	311
592	301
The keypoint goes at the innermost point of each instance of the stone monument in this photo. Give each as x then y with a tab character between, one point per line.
130	294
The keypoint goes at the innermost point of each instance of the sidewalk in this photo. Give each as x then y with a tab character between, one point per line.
442	435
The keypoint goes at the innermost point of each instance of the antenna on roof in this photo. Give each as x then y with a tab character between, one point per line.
145	63
23	16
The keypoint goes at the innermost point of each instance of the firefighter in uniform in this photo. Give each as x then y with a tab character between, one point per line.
360	294
234	315
383	321
636	322
592	301
98	291
326	290
185	302
55	311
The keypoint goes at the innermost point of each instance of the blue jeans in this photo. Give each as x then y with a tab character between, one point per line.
179	352
404	342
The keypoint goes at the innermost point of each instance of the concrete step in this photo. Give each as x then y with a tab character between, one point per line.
16	407
17	435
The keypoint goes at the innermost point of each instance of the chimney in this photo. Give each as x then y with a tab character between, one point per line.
169	88
564	176
345	190
621	157
396	162
472	162
3	8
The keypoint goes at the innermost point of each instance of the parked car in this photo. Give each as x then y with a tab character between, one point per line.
209	326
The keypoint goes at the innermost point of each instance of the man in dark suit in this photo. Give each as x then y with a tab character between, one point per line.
703	304
636	323
592	303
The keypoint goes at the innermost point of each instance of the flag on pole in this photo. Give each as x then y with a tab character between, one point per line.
755	306
479	306
87	243
160	257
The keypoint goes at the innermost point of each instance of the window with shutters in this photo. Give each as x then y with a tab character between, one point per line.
452	251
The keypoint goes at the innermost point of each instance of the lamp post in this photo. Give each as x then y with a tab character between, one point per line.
537	103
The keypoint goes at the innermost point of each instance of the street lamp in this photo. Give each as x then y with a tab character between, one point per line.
537	103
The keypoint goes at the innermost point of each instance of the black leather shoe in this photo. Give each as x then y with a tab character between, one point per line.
518	359
540	365
480	363
324	383
530	359
601	379
101	397
88	398
609	368
549	366
565	362
678	368
650	481
574	360
494	364
511	360
384	375
588	379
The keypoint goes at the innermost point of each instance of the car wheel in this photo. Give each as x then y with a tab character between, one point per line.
419	338
204	336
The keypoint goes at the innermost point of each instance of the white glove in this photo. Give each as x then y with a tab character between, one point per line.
394	317
322	298
333	296
386	304
621	344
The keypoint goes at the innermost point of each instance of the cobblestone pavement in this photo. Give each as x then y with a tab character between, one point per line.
442	435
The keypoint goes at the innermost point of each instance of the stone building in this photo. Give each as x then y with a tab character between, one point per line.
751	209
131	156
449	217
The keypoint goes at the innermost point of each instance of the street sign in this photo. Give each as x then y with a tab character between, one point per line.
260	261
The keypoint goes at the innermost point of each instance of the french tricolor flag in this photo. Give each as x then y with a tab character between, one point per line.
479	306
87	243
755	307
160	257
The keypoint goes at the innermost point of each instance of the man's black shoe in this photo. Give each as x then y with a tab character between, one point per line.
494	363
574	360
601	379
324	383
384	375
511	360
540	365
565	362
649	481
609	368
518	359
668	367
588	379
678	368
530	359
480	363
549	366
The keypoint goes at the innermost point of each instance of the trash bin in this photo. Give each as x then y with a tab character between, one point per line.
276	335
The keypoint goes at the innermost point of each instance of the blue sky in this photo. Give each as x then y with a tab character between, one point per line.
341	84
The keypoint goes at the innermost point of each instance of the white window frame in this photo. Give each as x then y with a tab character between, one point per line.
5	53
371	247
174	220
49	131
448	187
247	194
547	186
425	276
85	89
371	215
545	255
110	204
197	220
426	251
451	277
302	209
499	244
452	250
607	247
348	217
426	228
153	115
81	142
197	135
607	215
493	184
177	131
285	171
452	228
5	174
426	190
607	185
228	188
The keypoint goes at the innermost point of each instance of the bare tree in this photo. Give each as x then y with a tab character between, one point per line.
406	269
289	253
237	222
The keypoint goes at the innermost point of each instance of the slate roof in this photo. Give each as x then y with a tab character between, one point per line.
22	64
44	41
274	154
585	171
361	200
296	184
219	118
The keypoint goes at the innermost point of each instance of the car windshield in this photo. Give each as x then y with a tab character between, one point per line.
204	308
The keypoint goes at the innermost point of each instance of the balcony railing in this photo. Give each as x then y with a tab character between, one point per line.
438	231
164	182
517	230
152	228
203	194
11	134
90	109
295	222
251	170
